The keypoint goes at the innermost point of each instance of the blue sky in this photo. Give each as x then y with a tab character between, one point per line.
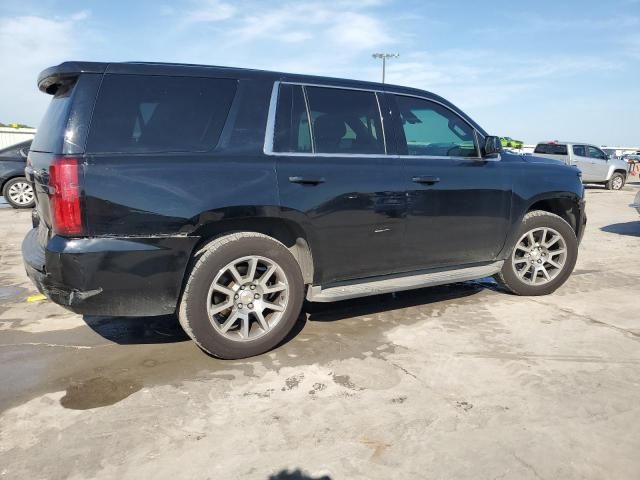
530	70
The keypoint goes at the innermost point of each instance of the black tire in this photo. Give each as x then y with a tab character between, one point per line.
508	277
612	184
210	260
7	196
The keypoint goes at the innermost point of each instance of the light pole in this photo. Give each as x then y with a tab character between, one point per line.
384	57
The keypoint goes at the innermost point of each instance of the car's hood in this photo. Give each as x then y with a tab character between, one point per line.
538	159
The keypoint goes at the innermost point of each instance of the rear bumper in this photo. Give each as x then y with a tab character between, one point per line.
109	276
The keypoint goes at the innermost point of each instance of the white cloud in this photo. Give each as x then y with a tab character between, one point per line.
30	44
346	24
479	78
358	31
206	11
305	36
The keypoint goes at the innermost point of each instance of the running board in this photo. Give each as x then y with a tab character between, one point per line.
388	284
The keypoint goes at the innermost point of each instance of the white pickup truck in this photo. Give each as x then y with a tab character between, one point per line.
595	165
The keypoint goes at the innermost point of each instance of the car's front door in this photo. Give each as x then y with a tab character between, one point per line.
459	204
336	181
599	164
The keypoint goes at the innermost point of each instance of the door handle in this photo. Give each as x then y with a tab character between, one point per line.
427	179
307	180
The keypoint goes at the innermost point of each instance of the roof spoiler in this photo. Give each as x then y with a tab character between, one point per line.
51	78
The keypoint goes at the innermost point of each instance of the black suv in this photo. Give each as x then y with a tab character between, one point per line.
229	195
15	188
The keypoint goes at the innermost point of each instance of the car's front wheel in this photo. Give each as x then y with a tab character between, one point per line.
243	295
543	257
18	192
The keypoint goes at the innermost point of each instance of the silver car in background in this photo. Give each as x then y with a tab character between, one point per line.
595	165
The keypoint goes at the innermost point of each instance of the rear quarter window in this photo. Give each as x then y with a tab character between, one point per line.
551	149
51	130
144	114
63	129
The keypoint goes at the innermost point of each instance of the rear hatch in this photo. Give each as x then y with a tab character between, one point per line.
60	143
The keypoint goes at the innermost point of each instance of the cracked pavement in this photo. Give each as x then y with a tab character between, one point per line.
460	381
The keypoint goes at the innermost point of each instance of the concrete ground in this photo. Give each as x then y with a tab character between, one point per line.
457	382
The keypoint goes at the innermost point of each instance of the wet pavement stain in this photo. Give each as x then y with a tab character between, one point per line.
317	387
98	392
293	382
399	400
164	356
11	292
346	382
466	406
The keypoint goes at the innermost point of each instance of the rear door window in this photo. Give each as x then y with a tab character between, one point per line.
433	130
345	121
579	150
143	114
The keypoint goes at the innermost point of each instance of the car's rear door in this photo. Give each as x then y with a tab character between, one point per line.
459	204
581	160
335	179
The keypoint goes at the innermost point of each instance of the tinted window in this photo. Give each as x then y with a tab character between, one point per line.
597	153
292	132
433	130
579	150
159	113
14	150
551	149
51	130
345	121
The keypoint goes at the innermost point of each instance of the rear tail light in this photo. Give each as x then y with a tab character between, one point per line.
64	189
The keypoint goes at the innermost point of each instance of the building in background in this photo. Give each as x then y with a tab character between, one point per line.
10	136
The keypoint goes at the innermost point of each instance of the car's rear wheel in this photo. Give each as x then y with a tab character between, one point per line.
543	257
243	295
18	192
616	182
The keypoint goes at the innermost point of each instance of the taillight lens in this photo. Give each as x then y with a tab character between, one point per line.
66	213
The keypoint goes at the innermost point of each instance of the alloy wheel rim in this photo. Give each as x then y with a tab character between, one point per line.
247	298
617	183
21	193
540	255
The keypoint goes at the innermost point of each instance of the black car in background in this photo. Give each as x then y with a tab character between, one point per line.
15	188
228	196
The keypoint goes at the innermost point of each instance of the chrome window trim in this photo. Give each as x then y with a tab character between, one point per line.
306	107
339	87
271	116
377	155
384	135
269	135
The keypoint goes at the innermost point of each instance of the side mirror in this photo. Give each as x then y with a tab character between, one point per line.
24	153
492	146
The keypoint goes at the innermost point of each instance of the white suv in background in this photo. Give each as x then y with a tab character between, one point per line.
595	165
